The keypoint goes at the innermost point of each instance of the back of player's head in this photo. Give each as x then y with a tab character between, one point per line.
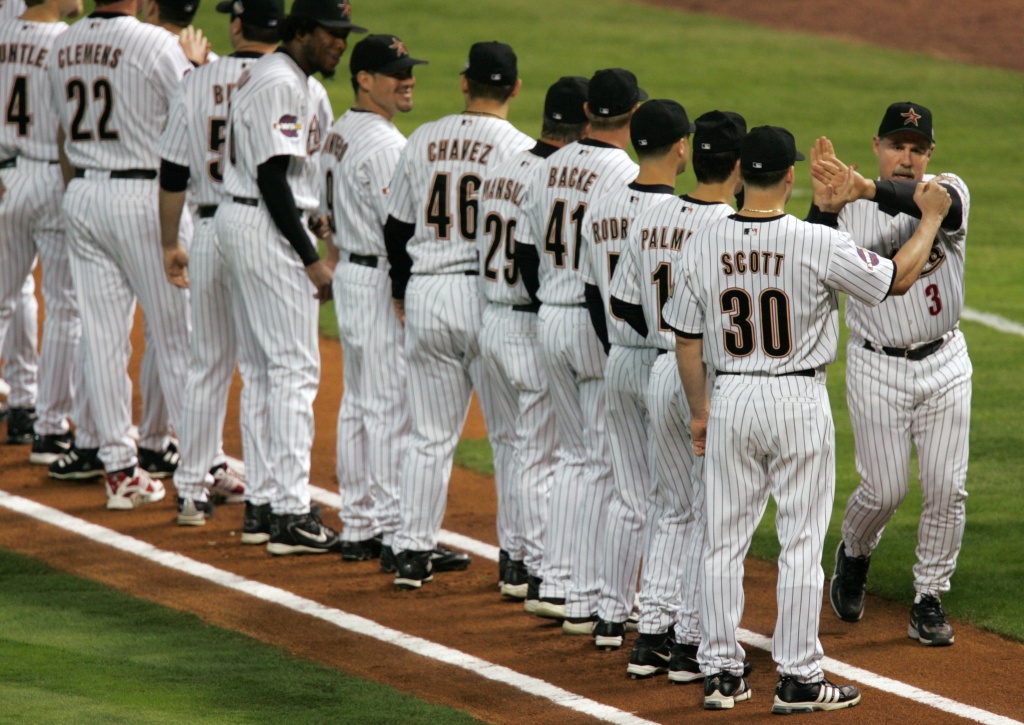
565	120
657	126
612	95
260	18
306	15
178	12
907	116
491	71
766	154
716	145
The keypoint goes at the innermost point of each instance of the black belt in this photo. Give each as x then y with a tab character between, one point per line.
472	273
123	173
246	201
9	163
533	307
910	353
663	352
205	212
365	260
794	374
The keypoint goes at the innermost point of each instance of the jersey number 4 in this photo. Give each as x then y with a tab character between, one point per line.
17	106
776	330
439	205
103	93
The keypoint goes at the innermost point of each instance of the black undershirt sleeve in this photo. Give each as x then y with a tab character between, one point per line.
173	178
595	306
528	262
396	235
893	195
272	179
632	314
817	216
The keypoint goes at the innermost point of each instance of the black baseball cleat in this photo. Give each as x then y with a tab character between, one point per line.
193	513
20	425
516	580
849	582
444	559
159	464
503	558
579	625
609	635
723	690
414	569
532	594
683	667
48	448
301	534
256	524
650	655
388	562
792	696
77	464
362	550
928	623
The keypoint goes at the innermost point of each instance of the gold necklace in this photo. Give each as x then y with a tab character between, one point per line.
481	113
763	211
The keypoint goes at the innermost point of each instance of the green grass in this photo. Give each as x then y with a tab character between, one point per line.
74	651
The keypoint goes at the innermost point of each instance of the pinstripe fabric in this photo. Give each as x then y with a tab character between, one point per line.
24	73
154	425
896	402
358	160
21	362
11	9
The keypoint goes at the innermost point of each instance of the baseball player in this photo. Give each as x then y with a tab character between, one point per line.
509	344
564	186
112	78
30	226
908	379
357	163
641	284
757	295
191	152
278	113
175	16
433	222
659	131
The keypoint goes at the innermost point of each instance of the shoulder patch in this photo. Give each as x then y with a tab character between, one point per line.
288	125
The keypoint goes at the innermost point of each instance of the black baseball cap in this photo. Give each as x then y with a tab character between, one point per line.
327	13
565	99
613	92
718	131
768	148
907	116
381	54
259	13
492	63
178	11
658	122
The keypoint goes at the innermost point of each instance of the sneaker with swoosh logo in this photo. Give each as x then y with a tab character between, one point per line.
301	534
651	655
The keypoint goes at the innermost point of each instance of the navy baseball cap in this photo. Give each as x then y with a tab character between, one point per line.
381	54
614	92
259	13
907	116
492	63
768	148
718	131
565	99
178	11
327	13
658	123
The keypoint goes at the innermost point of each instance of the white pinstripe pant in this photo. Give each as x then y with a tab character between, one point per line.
21	360
442	353
575	360
373	422
894	402
767	435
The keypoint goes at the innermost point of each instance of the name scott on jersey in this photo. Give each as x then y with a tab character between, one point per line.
752	261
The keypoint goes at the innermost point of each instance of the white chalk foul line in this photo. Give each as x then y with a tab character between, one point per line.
343	620
994	321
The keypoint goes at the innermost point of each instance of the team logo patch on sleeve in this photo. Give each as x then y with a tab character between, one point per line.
869	257
288	125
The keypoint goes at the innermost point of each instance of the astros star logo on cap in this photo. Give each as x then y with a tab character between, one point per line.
912	117
346	10
399	47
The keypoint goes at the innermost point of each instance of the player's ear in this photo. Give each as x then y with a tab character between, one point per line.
464	84
518	87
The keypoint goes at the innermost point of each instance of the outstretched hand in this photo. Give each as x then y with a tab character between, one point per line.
195	45
835	183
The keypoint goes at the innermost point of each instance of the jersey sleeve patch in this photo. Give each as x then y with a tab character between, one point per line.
870	258
288	125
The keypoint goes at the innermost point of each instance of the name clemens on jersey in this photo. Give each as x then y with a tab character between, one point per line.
572	177
753	261
504	189
24	53
459	150
89	54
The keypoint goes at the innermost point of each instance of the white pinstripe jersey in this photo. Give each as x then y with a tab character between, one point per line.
648	267
30	127
934	303
113	79
276	110
11	9
197	122
437	185
606	233
358	160
767	291
565	184
504	193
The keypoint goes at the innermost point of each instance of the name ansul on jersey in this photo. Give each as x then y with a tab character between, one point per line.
25	53
89	54
504	190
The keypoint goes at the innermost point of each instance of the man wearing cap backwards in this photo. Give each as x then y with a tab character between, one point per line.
523	417
191	150
674	495
358	159
757	298
564	185
278	113
660	133
908	375
433	222
112	107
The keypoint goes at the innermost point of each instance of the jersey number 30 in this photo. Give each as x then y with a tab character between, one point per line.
776	331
